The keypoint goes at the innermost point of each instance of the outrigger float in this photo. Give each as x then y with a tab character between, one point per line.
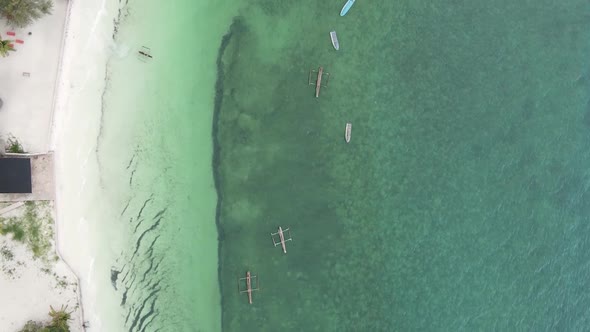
281	233
318	81
249	288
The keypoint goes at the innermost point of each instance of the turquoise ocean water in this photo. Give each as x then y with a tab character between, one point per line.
461	202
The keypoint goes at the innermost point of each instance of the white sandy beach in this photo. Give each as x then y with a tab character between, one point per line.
77	119
30	285
29	76
52	101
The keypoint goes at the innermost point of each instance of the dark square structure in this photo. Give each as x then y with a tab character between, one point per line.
15	176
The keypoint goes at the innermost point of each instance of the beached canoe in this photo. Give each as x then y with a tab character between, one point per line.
334	40
346	7
348	132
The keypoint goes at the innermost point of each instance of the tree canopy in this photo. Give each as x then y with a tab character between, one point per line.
6	47
58	323
21	13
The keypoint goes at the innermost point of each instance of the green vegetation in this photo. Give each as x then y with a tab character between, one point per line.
32	326
59	319
12	225
62	282
13	145
32	229
20	13
58	323
37	240
6	253
6	47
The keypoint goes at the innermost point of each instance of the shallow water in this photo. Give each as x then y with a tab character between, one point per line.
147	197
155	152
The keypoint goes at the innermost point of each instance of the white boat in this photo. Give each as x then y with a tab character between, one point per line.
334	40
346	7
347	132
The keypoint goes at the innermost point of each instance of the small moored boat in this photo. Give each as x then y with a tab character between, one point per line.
346	7
334	40
347	132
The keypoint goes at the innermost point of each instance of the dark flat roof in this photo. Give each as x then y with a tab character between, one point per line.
15	176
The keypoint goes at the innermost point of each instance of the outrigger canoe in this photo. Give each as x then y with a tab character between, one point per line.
347	132
334	40
346	7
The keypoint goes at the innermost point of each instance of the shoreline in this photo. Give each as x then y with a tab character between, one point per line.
78	62
51	138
